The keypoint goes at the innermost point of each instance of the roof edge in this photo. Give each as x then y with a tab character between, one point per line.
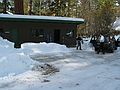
40	18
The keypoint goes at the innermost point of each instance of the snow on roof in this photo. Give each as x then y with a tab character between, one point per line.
116	24
9	13
49	18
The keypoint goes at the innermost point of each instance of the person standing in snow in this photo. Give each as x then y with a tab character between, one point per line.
79	42
114	43
102	46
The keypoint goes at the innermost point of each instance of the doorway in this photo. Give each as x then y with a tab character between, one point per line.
57	36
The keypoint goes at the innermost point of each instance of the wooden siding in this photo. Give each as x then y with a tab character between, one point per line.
21	32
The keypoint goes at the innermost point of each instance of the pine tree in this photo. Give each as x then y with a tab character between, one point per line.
104	16
58	7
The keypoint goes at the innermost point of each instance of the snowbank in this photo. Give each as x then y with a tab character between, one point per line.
15	61
5	46
43	48
12	61
14	64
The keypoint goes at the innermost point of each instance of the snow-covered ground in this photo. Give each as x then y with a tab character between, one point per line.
21	69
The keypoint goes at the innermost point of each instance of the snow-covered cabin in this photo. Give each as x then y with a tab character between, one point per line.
29	28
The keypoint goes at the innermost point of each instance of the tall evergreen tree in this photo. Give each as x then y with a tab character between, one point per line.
58	7
104	16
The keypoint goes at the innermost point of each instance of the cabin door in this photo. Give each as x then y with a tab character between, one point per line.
57	36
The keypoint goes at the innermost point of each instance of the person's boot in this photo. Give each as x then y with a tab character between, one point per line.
80	48
77	48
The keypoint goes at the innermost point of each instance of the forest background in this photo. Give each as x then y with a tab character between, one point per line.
99	15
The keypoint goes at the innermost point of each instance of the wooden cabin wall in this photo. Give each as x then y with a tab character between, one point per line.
21	32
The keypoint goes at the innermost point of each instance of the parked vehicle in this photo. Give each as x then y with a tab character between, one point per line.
104	47
118	42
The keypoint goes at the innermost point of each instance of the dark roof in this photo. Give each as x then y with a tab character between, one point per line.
33	18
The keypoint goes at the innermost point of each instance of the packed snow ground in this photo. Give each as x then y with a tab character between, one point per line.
78	70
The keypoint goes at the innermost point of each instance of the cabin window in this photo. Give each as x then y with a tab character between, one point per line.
70	33
38	33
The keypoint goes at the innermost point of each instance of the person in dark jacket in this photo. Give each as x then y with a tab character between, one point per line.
79	41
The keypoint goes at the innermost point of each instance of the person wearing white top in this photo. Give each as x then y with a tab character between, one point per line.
102	39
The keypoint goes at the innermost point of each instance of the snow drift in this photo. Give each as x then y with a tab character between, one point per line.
15	61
